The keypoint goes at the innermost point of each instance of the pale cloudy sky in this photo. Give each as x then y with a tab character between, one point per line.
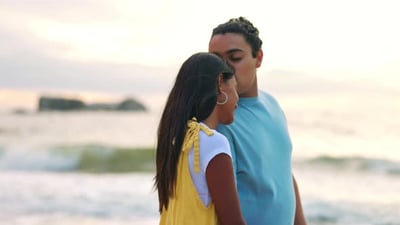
137	46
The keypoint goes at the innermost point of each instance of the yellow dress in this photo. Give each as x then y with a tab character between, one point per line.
186	207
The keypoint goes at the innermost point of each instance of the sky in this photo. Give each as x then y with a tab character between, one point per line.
136	47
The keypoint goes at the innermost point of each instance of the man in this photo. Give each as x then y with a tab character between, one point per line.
259	138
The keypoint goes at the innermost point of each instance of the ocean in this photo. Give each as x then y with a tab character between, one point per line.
82	168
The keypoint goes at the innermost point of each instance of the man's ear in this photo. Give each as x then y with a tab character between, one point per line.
220	80
259	58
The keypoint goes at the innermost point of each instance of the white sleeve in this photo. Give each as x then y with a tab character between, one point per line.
211	146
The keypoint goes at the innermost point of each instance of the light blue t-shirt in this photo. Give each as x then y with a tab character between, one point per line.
261	152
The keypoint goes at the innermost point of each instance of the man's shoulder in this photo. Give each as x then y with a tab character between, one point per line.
264	95
268	100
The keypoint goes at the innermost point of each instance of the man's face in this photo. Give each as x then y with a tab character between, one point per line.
236	51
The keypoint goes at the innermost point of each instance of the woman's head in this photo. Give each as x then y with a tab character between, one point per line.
198	84
201	81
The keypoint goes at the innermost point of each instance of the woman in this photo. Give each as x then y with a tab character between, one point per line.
194	179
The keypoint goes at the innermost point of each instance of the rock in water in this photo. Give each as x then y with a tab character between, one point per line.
54	103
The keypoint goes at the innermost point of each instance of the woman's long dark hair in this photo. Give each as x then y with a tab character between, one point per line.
194	94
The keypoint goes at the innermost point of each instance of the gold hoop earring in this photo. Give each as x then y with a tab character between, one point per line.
226	99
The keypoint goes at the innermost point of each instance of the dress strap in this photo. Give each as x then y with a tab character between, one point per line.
192	140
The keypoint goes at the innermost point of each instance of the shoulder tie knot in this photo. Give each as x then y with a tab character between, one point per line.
192	140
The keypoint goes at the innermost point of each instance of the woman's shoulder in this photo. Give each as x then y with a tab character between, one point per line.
215	140
216	136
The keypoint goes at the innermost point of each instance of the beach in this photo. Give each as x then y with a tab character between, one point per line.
98	167
332	66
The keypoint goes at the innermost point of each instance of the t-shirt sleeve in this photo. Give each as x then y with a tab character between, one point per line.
212	146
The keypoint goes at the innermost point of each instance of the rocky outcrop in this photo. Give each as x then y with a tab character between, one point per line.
129	104
65	104
53	103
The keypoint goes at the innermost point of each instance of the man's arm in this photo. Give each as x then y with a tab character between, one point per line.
299	218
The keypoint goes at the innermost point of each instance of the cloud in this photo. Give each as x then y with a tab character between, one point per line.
62	11
98	44
29	62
